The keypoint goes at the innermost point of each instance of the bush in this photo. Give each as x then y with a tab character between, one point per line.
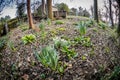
12	23
28	38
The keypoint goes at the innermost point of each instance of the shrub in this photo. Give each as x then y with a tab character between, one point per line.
82	28
28	38
12	23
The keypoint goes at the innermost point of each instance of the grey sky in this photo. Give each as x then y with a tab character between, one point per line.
78	3
71	3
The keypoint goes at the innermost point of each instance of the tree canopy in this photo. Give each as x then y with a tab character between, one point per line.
62	7
4	3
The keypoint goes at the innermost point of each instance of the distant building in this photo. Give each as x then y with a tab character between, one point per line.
54	8
56	12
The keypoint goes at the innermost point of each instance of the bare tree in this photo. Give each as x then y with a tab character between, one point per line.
100	14
43	8
118	29
96	11
107	10
110	13
92	10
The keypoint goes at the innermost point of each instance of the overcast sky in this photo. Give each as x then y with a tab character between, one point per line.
71	3
78	3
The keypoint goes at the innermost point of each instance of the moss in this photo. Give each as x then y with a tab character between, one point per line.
60	29
84	57
58	22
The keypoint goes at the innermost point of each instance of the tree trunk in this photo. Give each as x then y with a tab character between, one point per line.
92	10
96	11
43	8
31	25
49	7
118	29
5	29
110	14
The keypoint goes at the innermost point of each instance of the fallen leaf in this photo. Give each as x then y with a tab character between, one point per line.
25	77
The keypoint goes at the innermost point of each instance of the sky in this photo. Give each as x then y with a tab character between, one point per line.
71	3
78	3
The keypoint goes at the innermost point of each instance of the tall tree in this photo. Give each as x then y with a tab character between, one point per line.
20	10
116	12
49	9
62	7
110	13
100	14
96	11
31	25
92	10
43	8
106	10
118	29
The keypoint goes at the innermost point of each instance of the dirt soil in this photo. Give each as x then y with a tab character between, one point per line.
22	64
